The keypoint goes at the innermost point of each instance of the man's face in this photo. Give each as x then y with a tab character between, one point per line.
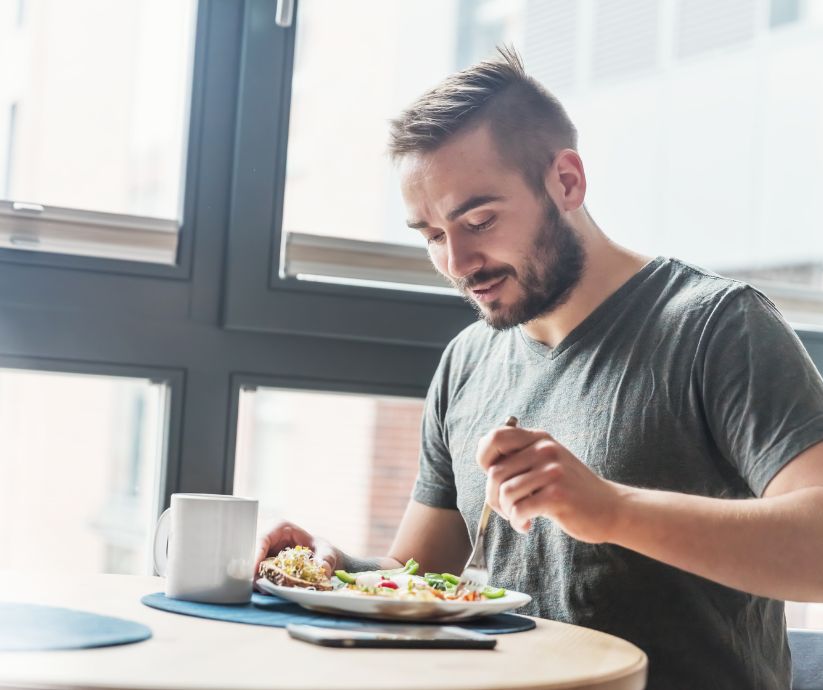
505	248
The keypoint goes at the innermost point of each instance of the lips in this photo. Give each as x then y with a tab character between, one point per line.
489	292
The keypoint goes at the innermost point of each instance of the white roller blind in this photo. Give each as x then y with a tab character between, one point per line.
33	227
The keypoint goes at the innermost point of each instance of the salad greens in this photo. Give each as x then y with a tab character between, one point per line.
441	585
409	569
446	582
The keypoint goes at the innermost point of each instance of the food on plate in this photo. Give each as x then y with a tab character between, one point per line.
296	567
299	567
403	583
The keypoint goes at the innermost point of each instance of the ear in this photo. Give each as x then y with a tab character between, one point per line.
565	180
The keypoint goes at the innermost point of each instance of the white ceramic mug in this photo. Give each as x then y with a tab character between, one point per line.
204	545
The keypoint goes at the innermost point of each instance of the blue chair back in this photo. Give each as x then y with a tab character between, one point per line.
807	659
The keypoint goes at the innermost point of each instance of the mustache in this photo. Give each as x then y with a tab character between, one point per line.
481	277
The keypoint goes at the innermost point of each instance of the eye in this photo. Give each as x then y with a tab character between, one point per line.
436	239
485	225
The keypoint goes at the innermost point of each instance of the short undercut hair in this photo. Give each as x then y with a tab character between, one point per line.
528	124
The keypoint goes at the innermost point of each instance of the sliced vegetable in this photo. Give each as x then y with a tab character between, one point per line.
409	569
451	579
388	584
343	576
351	578
492	593
436	580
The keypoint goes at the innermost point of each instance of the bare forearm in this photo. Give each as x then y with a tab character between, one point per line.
768	546
353	564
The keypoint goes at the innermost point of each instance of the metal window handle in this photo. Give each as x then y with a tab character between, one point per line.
24	207
285	13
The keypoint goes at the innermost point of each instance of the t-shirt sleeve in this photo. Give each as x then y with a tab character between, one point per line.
762	393
435	479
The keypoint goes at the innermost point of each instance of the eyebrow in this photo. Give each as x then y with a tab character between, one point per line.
455	213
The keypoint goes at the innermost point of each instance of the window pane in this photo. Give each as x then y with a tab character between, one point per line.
79	470
341	466
699	133
93	102
783	12
802	615
356	66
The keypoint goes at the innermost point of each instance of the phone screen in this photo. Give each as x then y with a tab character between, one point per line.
392	635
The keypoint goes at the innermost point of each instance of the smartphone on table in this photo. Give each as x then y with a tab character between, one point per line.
393	636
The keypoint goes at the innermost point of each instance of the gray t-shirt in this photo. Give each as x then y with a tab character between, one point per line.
681	380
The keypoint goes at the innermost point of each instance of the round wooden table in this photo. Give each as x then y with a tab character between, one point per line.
188	653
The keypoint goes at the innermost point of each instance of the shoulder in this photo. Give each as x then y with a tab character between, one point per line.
695	296
692	285
721	316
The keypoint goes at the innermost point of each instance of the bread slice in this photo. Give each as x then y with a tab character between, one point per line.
271	572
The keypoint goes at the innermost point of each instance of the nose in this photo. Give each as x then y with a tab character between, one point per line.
464	259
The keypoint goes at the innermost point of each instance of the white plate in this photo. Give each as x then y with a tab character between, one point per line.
364	605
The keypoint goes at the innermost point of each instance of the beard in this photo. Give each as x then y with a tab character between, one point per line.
553	267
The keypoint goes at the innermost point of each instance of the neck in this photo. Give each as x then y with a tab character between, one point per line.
608	266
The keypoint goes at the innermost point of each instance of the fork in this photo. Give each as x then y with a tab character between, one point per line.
475	575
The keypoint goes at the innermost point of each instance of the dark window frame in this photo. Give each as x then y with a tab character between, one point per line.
257	298
86	315
181	270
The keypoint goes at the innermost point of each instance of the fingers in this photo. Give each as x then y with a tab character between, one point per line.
504	470
262	552
327	554
530	475
287	534
516	477
524	510
515	490
278	538
505	441
526	460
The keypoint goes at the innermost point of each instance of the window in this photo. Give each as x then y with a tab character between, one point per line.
345	87
710	129
80	469
92	151
783	12
11	128
340	465
801	615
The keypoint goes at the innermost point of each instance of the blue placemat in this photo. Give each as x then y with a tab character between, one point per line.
277	613
32	627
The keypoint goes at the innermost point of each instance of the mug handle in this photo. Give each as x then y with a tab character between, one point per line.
161	543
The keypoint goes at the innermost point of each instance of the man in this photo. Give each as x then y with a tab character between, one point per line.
666	482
